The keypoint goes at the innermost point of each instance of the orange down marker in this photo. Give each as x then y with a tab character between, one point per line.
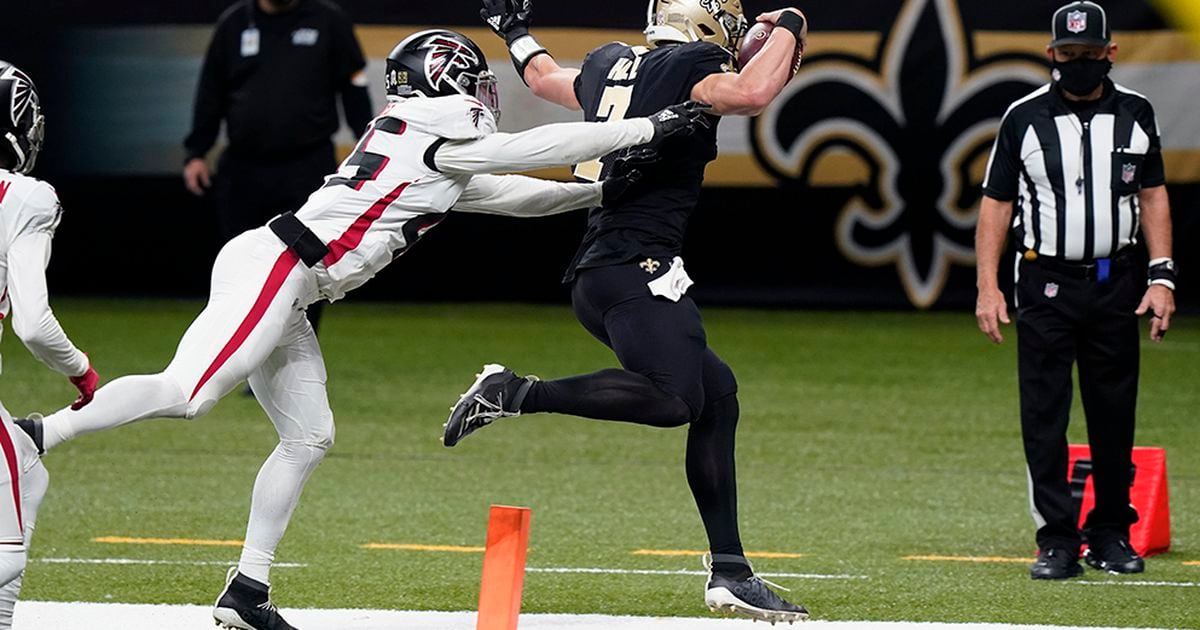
503	568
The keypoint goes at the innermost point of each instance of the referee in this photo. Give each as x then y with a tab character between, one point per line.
272	74
1079	161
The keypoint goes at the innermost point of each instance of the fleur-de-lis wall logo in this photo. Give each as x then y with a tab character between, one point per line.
909	131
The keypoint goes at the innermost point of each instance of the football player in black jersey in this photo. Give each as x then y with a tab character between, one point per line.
628	281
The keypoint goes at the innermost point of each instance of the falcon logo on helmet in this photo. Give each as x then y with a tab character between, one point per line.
441	63
720	22
445	54
22	125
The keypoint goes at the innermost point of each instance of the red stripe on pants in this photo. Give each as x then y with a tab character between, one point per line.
14	471
279	273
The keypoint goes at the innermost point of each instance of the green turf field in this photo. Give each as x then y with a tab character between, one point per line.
864	438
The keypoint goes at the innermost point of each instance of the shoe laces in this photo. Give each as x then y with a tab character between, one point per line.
707	561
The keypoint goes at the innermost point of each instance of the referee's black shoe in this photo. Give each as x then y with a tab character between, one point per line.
1114	555
496	393
246	604
1056	564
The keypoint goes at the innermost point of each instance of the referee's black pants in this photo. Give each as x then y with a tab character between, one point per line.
250	190
1075	318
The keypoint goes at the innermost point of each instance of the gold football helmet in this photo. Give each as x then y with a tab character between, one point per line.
718	21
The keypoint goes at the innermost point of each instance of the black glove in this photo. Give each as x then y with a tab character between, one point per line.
625	172
510	19
679	119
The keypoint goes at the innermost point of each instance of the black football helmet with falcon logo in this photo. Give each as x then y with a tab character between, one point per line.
22	125
441	63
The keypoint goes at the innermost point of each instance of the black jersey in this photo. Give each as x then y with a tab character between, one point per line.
620	81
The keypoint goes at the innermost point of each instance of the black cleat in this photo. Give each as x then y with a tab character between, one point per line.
246	604
1114	555
749	597
496	393
1055	564
32	426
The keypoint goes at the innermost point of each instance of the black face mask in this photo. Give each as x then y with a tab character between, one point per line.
1081	77
282	5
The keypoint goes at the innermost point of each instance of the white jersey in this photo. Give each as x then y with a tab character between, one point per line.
420	158
29	214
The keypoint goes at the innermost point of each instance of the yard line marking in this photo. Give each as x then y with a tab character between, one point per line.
412	547
970	559
139	561
1133	583
195	617
1192	563
684	552
125	540
601	571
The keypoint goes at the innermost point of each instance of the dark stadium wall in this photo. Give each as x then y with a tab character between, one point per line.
856	189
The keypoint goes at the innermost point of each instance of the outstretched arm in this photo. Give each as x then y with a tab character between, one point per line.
552	82
560	144
510	19
541	147
520	196
748	92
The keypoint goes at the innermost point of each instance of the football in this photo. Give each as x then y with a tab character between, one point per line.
754	41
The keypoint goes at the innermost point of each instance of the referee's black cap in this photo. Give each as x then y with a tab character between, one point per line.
1080	23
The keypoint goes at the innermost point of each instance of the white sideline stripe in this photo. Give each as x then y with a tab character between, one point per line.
138	561
583	570
75	616
599	571
1133	583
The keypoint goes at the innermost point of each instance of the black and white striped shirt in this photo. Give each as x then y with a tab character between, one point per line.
1074	170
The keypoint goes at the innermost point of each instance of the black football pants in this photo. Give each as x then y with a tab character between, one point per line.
670	378
250	191
1064	319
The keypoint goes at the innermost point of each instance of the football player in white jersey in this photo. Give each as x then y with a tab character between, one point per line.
29	214
431	150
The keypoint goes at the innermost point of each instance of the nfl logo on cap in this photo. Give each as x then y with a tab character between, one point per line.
1077	21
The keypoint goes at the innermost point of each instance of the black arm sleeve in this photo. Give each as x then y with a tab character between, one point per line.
1153	171
211	96
1004	167
350	64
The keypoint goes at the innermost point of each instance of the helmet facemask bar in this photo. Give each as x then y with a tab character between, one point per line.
37	134
487	90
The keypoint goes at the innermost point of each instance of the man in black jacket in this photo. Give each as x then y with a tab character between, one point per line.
271	74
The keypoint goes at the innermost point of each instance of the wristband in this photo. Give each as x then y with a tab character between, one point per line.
792	22
1162	272
523	50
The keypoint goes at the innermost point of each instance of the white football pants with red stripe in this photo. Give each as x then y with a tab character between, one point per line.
252	328
23	483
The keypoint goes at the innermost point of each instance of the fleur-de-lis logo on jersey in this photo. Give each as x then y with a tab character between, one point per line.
908	132
445	54
650	265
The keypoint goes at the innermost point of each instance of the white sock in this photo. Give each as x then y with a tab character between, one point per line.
122	401
276	493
